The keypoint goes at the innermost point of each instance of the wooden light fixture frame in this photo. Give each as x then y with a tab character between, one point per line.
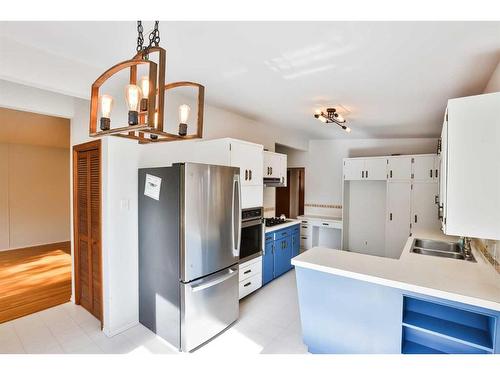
157	88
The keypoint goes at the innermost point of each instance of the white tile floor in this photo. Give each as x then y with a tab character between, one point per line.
269	323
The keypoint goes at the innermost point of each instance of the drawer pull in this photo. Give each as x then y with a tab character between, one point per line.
304	238
325	223
248	271
247	284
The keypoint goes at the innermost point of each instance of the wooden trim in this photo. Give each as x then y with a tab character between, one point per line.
88	146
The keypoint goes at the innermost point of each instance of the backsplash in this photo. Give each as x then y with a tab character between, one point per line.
323	209
491	251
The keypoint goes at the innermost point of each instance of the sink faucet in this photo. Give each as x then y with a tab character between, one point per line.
466	247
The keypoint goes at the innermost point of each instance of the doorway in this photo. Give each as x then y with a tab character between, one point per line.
87	226
290	199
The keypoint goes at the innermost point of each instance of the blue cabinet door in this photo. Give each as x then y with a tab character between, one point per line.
282	256
268	263
295	241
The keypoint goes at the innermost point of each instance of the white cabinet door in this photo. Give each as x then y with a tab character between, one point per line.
283	168
442	176
473	173
398	217
424	168
272	164
399	168
354	169
249	157
424	214
376	169
268	158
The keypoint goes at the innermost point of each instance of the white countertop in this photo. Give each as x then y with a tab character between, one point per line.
319	217
472	283
281	226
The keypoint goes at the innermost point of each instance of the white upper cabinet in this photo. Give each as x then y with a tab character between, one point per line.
376	169
365	169
471	151
354	169
249	157
275	169
399	168
425	167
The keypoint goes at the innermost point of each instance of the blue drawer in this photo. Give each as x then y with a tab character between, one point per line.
269	237
283	233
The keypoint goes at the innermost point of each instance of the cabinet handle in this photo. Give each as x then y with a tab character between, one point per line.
282	180
431	173
325	224
390	173
244	273
366	174
246	174
250	174
247	284
362	174
304	238
390	216
271	170
436	174
436	200
415	219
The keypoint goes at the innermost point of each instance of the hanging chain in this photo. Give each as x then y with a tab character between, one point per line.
140	37
154	38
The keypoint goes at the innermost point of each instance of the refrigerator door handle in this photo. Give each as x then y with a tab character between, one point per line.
218	280
236	216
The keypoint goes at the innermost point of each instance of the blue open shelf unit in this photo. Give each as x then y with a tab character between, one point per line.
434	328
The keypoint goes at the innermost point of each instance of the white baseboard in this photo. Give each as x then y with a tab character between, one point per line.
113	332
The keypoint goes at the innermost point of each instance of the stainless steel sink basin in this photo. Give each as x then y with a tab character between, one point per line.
441	249
453	247
437	253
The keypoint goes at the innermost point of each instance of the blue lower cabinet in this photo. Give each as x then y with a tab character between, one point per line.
281	246
268	263
282	256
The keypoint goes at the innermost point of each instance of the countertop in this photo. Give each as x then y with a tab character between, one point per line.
319	217
281	226
472	283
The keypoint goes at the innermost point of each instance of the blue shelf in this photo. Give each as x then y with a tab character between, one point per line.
450	330
410	347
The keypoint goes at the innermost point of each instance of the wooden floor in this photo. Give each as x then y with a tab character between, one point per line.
34	279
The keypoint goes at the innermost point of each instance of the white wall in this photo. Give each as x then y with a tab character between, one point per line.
323	165
494	82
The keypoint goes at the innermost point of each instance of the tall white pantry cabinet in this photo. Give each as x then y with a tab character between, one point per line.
386	198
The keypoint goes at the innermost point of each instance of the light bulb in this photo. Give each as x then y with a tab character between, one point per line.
133	97
106	105
184	113
144	84
322	118
347	129
340	118
184	110
317	112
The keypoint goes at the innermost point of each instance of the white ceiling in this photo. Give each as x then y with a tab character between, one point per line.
392	79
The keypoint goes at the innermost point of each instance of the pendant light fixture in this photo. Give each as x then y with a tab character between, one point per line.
144	97
332	116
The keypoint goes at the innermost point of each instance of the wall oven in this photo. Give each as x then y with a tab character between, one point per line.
252	233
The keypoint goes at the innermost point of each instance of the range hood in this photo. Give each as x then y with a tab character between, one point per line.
274	182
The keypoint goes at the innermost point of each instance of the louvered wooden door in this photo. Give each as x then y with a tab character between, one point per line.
87	204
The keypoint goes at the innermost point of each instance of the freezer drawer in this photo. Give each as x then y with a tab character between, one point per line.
209	305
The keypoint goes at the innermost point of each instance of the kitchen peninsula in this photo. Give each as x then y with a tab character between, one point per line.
358	303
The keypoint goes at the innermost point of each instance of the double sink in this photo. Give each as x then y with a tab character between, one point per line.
441	249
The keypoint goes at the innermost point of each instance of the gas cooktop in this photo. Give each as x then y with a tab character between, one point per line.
272	221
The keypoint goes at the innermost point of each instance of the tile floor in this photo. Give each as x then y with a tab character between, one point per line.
269	323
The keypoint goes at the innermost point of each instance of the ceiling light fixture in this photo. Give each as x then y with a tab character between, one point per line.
332	116
144	97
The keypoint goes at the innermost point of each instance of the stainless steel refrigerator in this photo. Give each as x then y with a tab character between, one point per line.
189	243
